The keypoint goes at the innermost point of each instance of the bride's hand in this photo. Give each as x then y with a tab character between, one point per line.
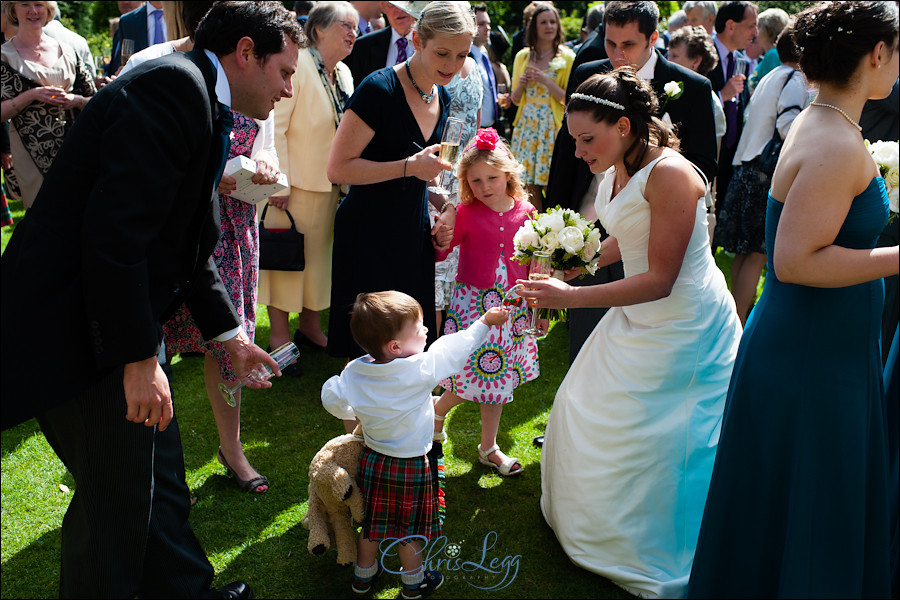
549	293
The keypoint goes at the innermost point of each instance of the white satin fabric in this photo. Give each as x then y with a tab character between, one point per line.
632	435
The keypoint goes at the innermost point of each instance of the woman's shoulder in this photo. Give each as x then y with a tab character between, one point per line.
670	170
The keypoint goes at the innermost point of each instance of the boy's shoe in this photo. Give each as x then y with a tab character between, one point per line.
431	582
363	585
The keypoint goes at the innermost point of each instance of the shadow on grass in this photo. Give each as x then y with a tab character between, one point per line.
34	571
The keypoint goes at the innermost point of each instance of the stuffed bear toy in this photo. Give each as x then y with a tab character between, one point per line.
334	497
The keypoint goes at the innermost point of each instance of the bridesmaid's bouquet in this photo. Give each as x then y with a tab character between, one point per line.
887	156
572	241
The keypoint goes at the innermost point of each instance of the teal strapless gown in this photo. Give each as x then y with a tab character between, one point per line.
798	501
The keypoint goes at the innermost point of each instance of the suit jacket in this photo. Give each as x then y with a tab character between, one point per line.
691	113
132	26
593	48
717	80
369	54
119	236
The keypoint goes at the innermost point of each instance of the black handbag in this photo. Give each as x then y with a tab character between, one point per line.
768	159
280	250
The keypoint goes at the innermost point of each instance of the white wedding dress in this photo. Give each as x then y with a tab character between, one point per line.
632	435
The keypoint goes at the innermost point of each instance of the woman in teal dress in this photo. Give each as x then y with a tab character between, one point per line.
798	502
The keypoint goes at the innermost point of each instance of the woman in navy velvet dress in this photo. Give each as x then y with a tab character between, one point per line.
798	502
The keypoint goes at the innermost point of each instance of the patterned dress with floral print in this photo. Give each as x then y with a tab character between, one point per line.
535	133
237	258
507	358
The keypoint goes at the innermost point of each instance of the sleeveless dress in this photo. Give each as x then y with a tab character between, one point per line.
798	503
237	259
631	438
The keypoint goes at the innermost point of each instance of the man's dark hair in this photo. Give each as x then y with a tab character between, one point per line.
646	14
733	10
266	23
302	7
479	7
192	13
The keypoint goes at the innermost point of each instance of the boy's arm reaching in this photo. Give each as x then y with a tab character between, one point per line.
334	401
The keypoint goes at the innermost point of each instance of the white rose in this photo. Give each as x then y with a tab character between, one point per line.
550	242
526	237
671	88
551	221
886	154
590	250
571	239
893	196
892	178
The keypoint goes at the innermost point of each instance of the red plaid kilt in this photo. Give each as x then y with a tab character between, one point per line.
399	497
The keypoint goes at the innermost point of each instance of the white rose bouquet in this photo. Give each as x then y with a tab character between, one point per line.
887	156
572	241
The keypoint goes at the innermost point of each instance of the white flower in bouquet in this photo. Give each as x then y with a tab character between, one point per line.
526	236
550	241
550	221
571	239
887	156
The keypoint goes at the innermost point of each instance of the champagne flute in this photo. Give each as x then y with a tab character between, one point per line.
283	355
127	50
740	69
449	150
539	270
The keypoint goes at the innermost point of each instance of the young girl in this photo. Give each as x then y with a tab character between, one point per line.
492	208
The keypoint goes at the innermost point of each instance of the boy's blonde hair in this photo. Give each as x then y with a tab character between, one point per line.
499	158
378	317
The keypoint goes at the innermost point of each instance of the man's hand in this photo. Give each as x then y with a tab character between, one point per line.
246	356
147	394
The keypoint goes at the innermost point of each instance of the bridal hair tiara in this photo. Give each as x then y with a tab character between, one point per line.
609	103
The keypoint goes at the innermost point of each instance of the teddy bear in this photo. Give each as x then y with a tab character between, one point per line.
335	497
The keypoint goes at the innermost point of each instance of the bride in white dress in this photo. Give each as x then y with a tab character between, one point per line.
632	435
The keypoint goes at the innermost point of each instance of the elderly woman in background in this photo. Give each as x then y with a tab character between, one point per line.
778	99
305	126
771	22
540	74
43	85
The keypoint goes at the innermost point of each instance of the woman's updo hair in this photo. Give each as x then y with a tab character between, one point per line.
833	37
446	18
639	105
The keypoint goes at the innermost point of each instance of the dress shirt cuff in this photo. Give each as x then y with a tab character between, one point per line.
224	337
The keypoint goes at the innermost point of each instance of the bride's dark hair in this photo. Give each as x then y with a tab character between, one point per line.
625	88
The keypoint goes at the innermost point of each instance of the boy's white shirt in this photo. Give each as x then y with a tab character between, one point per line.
393	400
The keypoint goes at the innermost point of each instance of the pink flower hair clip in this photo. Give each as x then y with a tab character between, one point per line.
485	139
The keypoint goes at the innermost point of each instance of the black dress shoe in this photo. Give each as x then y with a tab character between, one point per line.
233	591
538	441
302	340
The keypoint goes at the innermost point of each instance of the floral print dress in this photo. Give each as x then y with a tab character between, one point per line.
237	258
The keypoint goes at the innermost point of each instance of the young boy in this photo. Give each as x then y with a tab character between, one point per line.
389	390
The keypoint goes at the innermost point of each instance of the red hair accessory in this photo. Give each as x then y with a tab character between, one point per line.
486	139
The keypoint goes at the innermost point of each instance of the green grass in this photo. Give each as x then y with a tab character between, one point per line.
258	538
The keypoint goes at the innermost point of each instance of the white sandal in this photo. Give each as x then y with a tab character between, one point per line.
439	436
505	468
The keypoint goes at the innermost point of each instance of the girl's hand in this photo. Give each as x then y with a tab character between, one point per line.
265	173
544	326
550	293
495	316
426	164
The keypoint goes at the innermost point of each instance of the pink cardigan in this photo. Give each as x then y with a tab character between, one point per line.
482	234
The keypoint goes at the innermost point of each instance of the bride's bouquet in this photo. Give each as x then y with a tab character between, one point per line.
572	241
887	156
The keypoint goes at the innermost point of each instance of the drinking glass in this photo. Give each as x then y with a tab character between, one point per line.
283	355
740	68
127	50
539	270
449	150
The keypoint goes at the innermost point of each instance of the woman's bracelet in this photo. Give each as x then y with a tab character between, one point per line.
446	204
404	166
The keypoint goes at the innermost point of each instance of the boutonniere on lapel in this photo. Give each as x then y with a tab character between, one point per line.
673	91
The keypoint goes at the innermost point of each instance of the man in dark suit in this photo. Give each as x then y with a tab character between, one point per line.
385	47
111	255
630	36
135	26
735	28
593	48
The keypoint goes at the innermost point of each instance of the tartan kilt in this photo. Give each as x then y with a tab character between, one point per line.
399	497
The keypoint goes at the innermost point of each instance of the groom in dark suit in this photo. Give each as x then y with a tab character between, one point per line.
119	236
630	36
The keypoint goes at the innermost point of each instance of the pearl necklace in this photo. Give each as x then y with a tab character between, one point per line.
846	116
427	98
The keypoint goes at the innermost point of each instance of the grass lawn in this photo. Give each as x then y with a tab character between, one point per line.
258	538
